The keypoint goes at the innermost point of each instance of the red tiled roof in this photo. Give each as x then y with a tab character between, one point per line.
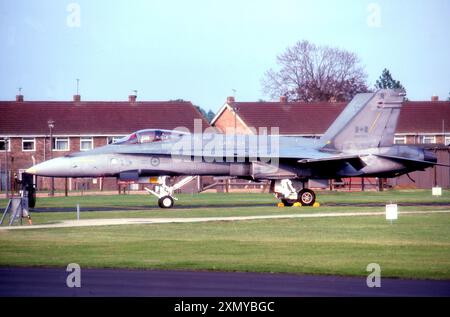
315	118
424	117
290	118
95	118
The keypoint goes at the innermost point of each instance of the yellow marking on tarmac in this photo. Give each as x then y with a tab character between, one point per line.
373	124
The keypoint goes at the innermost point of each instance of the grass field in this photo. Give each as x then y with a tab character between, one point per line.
416	246
220	205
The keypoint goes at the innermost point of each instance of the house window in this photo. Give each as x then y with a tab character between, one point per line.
28	144
447	140
86	143
2	144
400	140
60	144
114	139
429	139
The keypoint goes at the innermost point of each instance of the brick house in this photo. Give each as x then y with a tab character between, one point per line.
421	122
79	126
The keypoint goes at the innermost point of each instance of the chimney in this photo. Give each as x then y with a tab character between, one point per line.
76	98
132	98
434	98
19	98
230	100
283	100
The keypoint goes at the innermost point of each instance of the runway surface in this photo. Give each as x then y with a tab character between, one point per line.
108	282
140	221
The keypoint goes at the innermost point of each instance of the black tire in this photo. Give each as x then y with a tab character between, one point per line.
165	202
288	202
306	197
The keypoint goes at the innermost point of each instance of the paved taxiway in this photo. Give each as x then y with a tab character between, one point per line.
108	282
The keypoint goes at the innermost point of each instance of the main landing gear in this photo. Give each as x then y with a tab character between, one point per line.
165	192
286	190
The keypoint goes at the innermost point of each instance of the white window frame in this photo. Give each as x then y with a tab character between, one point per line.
33	140
113	139
400	138
447	140
9	145
54	149
86	139
432	138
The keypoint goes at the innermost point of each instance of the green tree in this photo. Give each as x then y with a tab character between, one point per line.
207	115
387	82
210	115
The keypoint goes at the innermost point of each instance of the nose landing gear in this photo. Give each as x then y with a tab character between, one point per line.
164	192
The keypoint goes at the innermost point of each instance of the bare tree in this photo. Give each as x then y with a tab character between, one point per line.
308	72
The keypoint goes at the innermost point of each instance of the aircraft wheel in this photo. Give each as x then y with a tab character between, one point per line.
306	197
165	202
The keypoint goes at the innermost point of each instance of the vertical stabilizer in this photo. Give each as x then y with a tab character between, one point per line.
368	121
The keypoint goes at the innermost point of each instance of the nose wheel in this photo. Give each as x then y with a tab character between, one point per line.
165	202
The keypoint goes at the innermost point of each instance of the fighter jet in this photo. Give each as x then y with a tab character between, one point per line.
358	144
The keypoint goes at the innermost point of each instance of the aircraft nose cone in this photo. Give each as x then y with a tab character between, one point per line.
52	168
31	170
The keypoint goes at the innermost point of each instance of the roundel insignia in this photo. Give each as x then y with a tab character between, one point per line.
154	161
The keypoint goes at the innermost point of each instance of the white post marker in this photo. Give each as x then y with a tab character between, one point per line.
436	191
391	212
78	211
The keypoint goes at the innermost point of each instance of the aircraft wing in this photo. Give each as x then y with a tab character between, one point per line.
354	160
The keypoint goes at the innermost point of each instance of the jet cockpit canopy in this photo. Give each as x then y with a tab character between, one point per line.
150	136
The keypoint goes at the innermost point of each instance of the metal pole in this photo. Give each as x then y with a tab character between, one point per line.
6	168
235	139
435	176
52	186
235	110
52	180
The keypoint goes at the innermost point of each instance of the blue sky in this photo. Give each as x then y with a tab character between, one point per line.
202	50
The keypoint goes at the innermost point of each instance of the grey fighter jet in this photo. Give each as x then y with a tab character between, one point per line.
358	144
